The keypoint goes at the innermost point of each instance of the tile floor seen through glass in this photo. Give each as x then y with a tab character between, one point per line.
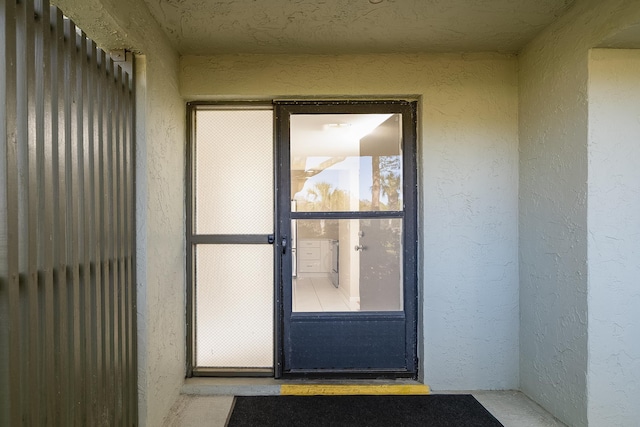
315	294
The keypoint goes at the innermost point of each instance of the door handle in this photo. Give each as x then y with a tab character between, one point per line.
284	244
359	248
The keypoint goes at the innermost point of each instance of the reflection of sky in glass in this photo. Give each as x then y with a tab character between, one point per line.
331	175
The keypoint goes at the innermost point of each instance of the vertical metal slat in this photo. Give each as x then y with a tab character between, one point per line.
83	254
76	235
5	393
100	242
67	353
120	239
31	191
117	291
60	235
127	250
109	240
93	311
26	220
45	128
44	143
9	291
133	383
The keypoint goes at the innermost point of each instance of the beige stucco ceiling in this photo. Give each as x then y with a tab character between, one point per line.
352	26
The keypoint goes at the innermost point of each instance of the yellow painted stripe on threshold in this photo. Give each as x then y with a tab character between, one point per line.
352	389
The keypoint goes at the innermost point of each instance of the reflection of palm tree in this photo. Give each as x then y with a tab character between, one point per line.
385	179
321	193
326	198
390	187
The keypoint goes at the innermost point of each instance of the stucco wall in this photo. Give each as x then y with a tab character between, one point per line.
614	237
160	232
160	130
553	230
553	227
468	186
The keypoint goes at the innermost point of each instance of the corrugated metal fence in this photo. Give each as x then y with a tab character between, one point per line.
67	267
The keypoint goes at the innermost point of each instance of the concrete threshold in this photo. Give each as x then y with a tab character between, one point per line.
243	386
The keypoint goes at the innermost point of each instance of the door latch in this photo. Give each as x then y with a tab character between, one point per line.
284	244
271	238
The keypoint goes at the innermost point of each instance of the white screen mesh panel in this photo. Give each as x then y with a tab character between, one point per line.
233	176
234	306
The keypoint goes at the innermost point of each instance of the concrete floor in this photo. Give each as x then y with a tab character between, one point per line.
511	408
515	409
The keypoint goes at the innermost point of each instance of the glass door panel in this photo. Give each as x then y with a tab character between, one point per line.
346	162
347	196
348	265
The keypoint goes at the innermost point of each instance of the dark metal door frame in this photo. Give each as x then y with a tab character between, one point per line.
283	110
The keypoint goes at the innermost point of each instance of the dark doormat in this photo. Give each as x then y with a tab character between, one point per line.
437	410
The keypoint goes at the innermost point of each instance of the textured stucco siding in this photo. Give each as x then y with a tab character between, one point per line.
614	237
468	186
160	230
553	232
554	184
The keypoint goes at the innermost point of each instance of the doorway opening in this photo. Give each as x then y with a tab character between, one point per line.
302	239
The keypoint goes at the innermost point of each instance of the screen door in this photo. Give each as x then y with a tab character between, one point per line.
230	237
